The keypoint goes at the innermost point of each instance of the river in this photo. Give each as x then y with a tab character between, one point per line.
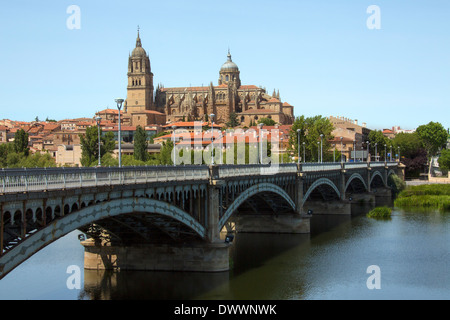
412	252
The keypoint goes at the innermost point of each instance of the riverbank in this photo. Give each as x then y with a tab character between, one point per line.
433	196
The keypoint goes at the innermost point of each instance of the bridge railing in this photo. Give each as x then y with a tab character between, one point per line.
25	180
327	166
226	171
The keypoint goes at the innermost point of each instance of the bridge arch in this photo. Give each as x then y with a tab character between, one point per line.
321	181
374	175
250	192
353	177
86	216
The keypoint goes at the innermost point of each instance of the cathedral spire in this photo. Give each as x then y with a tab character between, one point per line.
138	40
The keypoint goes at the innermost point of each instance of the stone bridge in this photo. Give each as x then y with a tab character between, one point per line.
171	217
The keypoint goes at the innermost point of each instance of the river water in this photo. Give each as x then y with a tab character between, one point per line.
412	252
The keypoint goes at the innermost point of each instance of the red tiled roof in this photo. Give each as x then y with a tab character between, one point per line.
259	111
190	124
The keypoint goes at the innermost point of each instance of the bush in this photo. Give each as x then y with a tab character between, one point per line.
397	184
436	196
380	213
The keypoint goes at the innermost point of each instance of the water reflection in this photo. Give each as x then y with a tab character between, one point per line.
148	285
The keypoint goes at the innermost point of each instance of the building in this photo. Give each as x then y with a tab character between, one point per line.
169	105
350	131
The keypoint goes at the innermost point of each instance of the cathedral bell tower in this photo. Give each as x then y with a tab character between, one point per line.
140	80
229	73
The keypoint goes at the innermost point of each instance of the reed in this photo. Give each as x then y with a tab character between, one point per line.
380	213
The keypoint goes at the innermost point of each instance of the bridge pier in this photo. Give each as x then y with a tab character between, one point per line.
196	257
383	196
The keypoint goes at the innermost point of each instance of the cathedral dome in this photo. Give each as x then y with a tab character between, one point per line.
229	65
138	52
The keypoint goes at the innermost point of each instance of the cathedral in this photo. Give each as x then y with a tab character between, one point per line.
248	102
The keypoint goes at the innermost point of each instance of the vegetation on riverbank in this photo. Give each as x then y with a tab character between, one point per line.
380	213
433	196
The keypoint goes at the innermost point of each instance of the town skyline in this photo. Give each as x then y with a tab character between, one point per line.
326	62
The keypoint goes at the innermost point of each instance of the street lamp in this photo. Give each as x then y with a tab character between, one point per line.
304	158
321	148
385	154
119	102
298	144
211	116
376	153
318	150
354	151
342	159
390	158
334	152
174	154
98	119
368	151
260	126
399	154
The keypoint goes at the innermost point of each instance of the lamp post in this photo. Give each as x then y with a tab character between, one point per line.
385	154
321	148
354	151
362	153
342	159
298	144
98	119
304	158
119	102
173	142
318	154
390	158
368	151
211	116
376	153
399	154
334	152
260	126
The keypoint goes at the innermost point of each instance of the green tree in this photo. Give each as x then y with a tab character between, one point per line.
233	120
409	144
165	155
267	121
444	160
140	144
310	130
21	142
89	146
377	137
412	152
433	136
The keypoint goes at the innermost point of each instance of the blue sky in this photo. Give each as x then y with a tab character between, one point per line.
319	54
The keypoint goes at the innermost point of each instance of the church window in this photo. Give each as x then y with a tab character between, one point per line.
227	78
139	82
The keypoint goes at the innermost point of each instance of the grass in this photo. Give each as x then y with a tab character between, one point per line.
433	196
380	213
